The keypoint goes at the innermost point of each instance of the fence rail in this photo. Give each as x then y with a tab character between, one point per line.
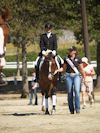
13	65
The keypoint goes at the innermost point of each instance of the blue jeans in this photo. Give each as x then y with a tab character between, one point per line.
73	88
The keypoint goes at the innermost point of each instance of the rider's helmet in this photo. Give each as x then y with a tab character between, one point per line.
48	25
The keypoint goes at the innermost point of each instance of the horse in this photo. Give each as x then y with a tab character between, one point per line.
48	82
4	34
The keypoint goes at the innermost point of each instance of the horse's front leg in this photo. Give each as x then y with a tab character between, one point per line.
46	104
43	102
54	99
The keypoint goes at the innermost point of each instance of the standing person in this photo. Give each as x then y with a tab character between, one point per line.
33	91
4	33
48	41
87	81
72	66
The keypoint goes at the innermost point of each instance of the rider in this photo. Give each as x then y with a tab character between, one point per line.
48	41
4	31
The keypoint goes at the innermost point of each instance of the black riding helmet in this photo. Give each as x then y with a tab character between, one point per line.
48	25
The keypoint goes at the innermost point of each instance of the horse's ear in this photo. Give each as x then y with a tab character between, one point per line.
5	13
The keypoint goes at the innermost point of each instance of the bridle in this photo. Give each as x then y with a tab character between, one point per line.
50	59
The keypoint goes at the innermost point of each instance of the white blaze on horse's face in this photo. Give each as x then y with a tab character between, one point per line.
50	75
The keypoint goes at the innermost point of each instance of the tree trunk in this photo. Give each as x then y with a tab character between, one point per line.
25	89
17	58
85	29
98	65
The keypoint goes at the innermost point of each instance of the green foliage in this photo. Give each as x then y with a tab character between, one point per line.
13	72
10	72
31	56
28	16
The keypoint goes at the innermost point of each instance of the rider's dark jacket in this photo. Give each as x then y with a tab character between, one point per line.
48	43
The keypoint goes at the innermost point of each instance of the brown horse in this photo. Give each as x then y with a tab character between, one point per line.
4	34
4	13
48	81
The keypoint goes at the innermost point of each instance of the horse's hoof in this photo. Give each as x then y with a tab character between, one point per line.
53	111
47	113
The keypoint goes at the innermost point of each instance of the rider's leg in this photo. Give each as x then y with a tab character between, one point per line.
37	64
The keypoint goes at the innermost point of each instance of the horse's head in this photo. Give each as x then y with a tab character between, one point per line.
51	63
49	56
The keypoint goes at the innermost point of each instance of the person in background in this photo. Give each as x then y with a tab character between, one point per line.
73	67
33	91
87	82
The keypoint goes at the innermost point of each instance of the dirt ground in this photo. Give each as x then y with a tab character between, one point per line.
16	116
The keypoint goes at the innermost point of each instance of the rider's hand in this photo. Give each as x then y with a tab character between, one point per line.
54	52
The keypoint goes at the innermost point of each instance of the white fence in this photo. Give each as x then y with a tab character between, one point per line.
13	65
10	65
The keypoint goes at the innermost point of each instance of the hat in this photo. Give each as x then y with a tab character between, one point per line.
48	25
85	60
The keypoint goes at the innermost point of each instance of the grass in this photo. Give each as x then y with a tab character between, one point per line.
33	50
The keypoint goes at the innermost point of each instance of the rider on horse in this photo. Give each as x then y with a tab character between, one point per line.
48	43
4	31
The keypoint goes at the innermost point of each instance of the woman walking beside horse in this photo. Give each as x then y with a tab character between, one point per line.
73	67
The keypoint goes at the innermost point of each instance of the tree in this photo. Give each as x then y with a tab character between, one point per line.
85	29
97	38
